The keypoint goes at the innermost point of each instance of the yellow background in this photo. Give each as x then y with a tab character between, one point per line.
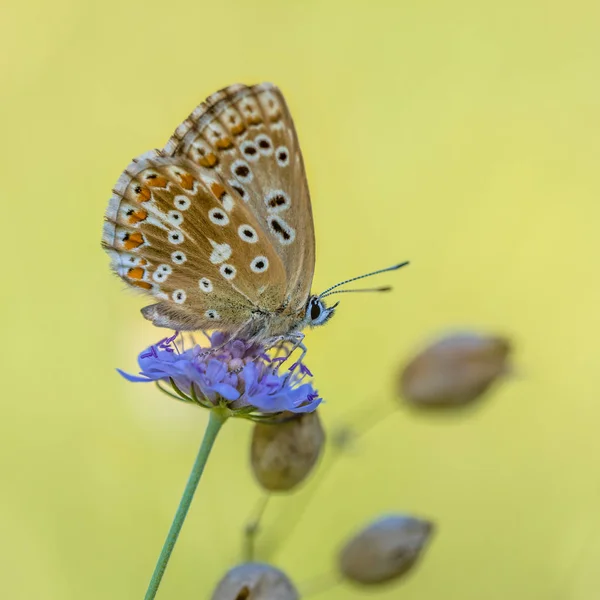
464	136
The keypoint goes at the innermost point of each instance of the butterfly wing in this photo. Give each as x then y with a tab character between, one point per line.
218	225
173	230
246	136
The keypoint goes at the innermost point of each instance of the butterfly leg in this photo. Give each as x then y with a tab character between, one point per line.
297	339
304	370
279	343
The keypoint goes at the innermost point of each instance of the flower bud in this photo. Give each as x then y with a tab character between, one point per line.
455	370
255	581
284	453
384	550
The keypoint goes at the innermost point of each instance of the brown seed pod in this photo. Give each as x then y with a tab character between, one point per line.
255	581
384	550
454	371
284	453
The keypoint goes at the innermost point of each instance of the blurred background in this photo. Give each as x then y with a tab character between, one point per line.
463	136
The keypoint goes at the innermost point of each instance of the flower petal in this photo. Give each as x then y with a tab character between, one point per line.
134	378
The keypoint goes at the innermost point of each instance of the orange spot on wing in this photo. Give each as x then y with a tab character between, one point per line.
210	160
137	217
218	190
133	240
254	119
223	143
142	284
142	194
159	181
238	129
186	181
135	273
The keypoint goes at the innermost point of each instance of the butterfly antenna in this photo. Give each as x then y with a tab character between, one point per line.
386	288
337	285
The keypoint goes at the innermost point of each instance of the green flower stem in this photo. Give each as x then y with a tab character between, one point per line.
216	420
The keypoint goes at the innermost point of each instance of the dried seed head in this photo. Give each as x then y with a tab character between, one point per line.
384	550
284	453
255	581
455	370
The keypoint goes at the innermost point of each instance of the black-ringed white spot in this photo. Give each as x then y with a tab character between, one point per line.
176	237
249	150
175	217
182	202
241	171
161	273
218	217
178	257
239	189
282	156
264	144
205	284
179	296
248	234
277	201
212	314
228	271
281	230
260	264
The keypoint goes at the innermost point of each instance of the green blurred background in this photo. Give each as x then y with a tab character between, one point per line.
464	136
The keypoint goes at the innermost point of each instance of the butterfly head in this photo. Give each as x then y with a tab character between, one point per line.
317	313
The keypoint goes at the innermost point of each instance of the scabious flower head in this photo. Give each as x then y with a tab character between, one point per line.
229	372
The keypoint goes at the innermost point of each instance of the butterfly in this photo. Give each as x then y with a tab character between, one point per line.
217	226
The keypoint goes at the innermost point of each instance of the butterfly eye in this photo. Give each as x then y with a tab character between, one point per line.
315	311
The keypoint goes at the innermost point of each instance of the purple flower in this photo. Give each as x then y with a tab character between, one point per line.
234	373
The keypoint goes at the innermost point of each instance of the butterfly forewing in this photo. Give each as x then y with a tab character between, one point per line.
246	135
218	225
